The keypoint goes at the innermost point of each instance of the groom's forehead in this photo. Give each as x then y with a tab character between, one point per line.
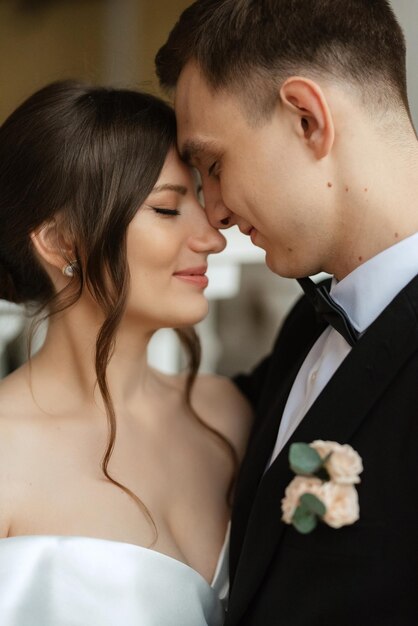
204	116
195	101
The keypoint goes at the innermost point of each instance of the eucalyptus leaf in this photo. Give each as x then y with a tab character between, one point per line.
303	520
303	459
313	504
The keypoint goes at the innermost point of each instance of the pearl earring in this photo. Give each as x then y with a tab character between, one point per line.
69	269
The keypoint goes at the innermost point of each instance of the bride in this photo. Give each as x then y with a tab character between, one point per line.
115	479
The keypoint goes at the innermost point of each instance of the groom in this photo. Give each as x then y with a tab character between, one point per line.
295	112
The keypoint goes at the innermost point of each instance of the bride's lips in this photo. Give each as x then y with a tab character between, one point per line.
253	234
194	276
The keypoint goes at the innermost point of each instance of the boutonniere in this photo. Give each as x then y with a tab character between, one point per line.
324	486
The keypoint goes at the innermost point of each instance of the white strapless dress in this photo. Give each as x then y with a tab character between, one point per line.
81	581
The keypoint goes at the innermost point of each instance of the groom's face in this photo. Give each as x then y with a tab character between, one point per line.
260	176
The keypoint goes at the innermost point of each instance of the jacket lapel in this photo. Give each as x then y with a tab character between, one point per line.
254	466
360	381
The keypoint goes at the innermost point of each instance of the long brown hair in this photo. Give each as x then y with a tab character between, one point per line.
88	157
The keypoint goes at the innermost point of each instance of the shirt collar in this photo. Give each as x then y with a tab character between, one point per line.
367	290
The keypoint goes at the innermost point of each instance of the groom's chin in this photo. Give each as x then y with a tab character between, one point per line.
288	266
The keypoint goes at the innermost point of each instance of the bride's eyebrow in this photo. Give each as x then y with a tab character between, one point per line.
180	189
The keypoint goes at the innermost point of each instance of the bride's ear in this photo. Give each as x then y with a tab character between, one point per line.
305	101
52	246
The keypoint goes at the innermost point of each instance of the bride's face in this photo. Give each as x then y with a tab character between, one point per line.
168	244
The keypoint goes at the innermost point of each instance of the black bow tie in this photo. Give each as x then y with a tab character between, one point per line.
329	310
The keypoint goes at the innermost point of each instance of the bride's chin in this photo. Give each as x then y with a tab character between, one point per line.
190	320
192	315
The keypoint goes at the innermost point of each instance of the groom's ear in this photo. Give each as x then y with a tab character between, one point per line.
312	119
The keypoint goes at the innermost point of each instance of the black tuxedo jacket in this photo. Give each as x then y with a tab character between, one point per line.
360	575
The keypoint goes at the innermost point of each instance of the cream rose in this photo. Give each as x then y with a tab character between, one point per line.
299	486
344	464
341	502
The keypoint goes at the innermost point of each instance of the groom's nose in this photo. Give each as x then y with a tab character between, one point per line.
217	212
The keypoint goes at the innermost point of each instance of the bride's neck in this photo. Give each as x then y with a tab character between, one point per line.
67	358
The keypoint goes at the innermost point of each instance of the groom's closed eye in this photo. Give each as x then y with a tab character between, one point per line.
194	151
215	170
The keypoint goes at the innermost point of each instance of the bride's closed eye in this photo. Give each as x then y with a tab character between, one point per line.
162	211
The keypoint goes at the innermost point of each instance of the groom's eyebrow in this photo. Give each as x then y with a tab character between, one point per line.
194	149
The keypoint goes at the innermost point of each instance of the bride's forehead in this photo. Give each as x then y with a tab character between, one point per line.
175	175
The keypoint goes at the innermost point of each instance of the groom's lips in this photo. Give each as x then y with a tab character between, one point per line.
250	232
253	234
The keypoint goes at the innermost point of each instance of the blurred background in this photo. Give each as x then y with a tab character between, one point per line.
114	42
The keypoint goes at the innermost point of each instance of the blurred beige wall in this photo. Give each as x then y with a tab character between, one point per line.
159	16
110	41
61	41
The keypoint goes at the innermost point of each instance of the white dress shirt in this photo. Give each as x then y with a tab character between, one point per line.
363	295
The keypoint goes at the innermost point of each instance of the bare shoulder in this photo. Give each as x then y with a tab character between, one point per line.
221	405
13	398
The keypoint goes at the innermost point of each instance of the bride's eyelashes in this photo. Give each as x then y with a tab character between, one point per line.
162	211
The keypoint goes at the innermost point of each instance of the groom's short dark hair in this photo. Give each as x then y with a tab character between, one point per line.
250	46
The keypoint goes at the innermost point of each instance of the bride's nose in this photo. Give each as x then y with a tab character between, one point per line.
207	239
